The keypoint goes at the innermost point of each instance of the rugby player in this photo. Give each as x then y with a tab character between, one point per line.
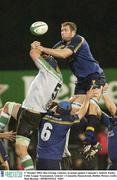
43	89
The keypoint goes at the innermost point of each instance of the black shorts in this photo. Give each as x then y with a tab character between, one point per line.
85	83
48	164
27	122
66	163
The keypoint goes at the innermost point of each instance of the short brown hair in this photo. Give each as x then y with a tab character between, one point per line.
72	25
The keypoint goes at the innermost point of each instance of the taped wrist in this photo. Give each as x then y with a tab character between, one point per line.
90	138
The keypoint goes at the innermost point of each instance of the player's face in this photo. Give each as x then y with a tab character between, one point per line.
67	33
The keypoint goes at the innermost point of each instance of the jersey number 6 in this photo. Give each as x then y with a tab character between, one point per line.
46	131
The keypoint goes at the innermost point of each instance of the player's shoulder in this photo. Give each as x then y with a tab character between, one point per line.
58	44
78	38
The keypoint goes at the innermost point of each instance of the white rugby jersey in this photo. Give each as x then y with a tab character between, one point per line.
44	87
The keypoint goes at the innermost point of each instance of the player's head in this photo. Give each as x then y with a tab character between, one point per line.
68	30
64	107
52	105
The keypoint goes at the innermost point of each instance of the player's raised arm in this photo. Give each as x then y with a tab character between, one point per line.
58	53
35	54
108	102
83	110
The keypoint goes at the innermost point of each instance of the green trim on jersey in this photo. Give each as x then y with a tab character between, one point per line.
61	122
46	65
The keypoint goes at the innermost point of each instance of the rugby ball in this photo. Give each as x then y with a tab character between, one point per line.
39	28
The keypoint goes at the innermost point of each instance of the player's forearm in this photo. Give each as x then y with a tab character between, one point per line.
2	136
83	110
57	53
109	104
37	63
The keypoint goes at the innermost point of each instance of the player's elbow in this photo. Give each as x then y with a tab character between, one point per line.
64	56
66	53
34	54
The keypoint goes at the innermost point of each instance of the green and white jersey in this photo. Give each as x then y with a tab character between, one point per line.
45	85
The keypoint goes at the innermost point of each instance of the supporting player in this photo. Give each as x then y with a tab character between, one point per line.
111	124
8	135
52	132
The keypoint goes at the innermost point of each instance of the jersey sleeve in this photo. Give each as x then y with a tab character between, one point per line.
76	43
39	64
42	64
57	45
75	119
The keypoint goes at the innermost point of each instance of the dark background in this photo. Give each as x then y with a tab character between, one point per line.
96	20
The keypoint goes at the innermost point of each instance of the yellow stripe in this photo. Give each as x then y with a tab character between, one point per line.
79	45
60	47
61	122
90	128
76	121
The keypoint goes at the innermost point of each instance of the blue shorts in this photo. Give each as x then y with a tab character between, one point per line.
48	164
85	83
3	154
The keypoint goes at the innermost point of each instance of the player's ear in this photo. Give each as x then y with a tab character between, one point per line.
73	33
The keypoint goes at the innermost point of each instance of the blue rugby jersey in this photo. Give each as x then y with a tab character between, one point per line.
82	63
111	123
52	135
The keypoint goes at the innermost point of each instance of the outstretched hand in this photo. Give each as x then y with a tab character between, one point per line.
105	87
93	93
9	135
